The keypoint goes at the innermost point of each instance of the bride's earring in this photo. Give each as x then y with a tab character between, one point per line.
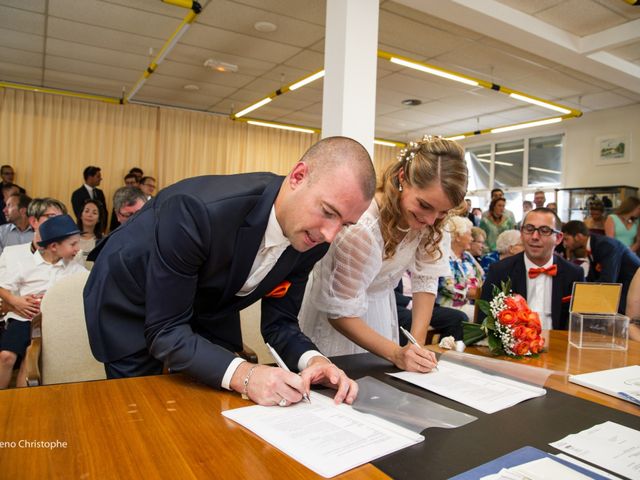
399	187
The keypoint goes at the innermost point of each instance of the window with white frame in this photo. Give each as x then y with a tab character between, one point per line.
518	167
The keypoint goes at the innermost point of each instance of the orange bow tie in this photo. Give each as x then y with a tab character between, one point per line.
552	271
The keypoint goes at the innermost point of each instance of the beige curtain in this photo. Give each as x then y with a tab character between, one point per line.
50	139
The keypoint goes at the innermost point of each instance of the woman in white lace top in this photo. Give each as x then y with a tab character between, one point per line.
351	288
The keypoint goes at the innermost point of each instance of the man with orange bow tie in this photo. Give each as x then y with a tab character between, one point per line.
544	279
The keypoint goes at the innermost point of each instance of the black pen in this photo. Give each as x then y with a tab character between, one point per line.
413	341
283	365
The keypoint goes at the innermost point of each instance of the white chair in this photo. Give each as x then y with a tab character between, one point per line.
66	355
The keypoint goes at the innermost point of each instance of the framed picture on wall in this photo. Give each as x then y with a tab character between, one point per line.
612	149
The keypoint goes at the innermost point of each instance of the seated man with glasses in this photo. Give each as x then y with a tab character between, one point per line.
127	201
544	279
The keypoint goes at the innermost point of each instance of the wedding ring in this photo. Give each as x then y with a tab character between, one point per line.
282	402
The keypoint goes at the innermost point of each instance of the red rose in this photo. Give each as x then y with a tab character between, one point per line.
531	334
511	303
521	348
520	332
533	321
536	345
506	317
521	302
523	317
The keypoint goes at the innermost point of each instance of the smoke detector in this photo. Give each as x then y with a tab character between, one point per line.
220	66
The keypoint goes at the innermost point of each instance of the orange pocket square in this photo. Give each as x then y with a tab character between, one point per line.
566	299
280	291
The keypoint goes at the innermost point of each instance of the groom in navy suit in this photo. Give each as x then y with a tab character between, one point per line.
610	260
544	279
167	286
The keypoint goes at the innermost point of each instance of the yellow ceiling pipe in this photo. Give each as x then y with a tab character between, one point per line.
287	88
195	8
55	91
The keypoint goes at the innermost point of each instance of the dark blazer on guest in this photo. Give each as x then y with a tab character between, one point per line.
514	268
167	279
612	262
81	195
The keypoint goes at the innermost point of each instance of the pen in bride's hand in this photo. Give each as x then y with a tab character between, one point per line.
412	339
283	366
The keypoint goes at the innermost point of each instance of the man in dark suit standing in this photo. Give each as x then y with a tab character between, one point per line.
544	279
610	260
167	286
90	190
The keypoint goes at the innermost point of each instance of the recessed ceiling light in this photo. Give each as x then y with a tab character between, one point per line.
191	87
265	27
411	102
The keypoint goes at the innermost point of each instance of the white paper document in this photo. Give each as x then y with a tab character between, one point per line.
540	469
619	382
326	438
482	391
608	445
591	468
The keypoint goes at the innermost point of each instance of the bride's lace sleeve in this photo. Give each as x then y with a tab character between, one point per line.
429	268
350	266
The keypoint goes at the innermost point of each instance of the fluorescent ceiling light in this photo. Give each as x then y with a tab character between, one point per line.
483	155
457	137
280	126
506	164
540	103
253	107
309	79
384	143
505	152
433	71
546	170
527	125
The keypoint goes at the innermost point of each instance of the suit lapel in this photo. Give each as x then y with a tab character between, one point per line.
248	239
556	295
519	276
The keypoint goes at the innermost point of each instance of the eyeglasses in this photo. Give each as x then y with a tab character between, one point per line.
544	231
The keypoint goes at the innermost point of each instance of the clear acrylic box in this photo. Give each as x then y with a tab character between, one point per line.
603	331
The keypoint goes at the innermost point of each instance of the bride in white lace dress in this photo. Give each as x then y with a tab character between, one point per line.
349	304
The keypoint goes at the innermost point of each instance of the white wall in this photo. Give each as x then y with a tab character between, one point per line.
579	166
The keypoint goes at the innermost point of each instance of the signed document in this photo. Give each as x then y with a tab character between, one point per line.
486	392
326	438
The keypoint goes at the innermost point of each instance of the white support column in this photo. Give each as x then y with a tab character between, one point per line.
350	62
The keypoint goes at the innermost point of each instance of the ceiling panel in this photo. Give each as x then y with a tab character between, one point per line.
21	41
101	46
236	17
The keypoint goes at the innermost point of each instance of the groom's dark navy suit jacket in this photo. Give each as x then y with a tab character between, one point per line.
612	262
514	269
167	279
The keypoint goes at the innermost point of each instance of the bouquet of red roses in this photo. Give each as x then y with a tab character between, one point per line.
510	326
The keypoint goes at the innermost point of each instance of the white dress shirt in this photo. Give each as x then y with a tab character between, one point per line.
273	244
90	190
539	292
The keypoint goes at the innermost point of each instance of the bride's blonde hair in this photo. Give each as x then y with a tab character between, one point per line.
434	159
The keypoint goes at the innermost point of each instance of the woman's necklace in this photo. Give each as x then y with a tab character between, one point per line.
403	230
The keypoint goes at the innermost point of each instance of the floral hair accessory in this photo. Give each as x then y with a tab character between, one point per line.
511	327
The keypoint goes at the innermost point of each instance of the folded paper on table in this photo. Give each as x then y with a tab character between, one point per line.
618	382
522	456
486	392
326	438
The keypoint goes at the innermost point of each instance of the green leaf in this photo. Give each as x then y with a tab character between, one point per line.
471	333
484	307
495	346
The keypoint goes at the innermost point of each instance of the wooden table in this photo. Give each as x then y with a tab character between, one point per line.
151	427
171	427
567	360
